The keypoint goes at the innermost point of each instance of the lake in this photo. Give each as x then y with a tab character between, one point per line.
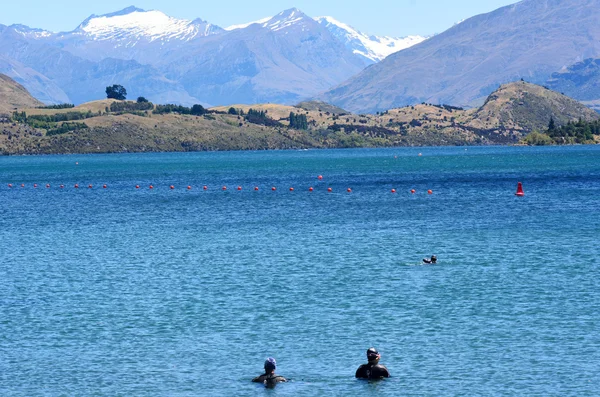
125	291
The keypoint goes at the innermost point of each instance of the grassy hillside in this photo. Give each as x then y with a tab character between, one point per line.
508	115
14	95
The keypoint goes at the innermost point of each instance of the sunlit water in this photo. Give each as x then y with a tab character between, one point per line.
175	292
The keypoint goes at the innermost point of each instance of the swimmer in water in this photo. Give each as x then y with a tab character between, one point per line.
269	378
431	261
372	370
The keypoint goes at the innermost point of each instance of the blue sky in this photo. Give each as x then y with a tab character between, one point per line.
380	17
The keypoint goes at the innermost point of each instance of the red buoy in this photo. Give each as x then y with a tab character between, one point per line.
151	187
137	186
62	186
239	188
310	189
22	185
520	191
393	190
89	186
430	191
171	187
273	188
189	187
329	189
412	191
291	189
104	186
35	185
47	186
76	186
10	185
204	187
349	190
320	177
224	188
255	187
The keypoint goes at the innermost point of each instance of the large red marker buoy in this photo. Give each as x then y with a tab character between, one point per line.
520	191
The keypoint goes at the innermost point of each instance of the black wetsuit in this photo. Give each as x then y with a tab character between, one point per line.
270	378
369	371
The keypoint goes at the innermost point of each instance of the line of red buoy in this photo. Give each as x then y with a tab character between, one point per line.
519	192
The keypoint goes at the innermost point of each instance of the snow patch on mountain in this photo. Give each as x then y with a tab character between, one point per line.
136	24
374	48
245	25
28	32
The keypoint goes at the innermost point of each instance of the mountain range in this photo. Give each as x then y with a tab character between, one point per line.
291	57
531	39
285	58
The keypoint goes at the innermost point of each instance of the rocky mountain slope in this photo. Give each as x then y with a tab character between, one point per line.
530	39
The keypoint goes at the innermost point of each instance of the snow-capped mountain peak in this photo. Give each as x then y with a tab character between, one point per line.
134	24
374	48
285	19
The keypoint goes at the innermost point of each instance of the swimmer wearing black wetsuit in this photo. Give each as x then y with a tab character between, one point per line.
431	261
372	370
269	378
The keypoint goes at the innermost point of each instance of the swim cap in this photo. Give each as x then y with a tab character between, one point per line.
372	353
270	364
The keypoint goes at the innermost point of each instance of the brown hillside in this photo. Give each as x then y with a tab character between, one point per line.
14	96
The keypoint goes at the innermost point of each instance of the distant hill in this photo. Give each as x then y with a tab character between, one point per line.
13	95
525	107
508	115
530	39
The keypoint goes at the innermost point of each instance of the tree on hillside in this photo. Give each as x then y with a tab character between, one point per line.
141	99
116	91
198	110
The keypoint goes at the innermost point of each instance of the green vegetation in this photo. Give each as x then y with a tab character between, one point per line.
130	106
298	121
580	132
65	127
260	117
59	106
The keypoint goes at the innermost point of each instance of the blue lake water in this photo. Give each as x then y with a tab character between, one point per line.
176	292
